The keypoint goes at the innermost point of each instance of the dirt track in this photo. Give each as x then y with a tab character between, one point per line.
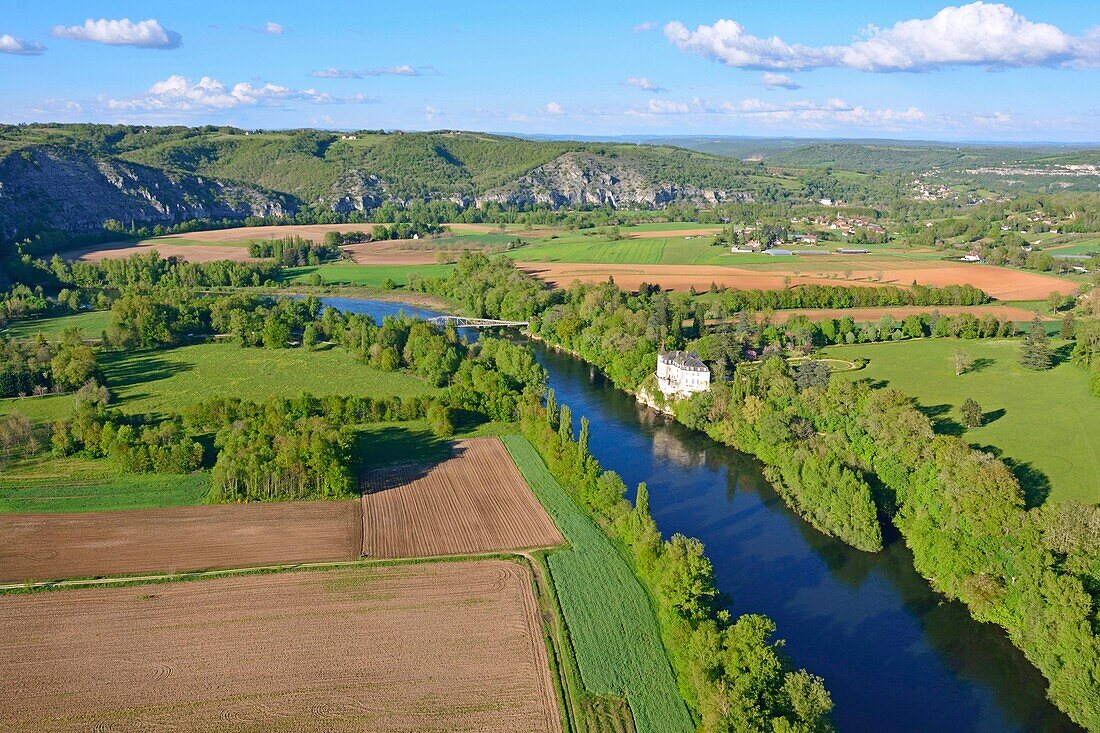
450	646
179	539
1001	283
476	501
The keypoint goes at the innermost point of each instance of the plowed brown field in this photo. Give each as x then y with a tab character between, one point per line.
179	539
451	646
1001	283
865	315
475	501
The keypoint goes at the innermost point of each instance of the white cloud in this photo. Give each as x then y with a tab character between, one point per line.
643	83
273	28
431	113
804	113
553	108
779	81
144	34
180	94
978	34
19	47
402	70
644	27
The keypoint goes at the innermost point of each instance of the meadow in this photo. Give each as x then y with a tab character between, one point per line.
614	630
91	325
1044	423
163	381
371	276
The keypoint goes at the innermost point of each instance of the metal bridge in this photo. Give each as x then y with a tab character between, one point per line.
464	322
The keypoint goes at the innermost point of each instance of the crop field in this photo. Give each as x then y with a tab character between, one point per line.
867	315
75	484
372	276
612	625
472	501
91	325
1046	423
190	250
164	381
1001	283
179	539
451	646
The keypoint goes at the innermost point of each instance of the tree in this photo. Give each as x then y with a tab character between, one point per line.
1055	301
309	335
963	362
1035	351
1069	327
971	413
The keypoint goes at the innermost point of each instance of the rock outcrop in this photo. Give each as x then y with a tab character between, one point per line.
588	179
43	187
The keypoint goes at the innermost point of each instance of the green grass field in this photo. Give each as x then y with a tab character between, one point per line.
91	324
1046	423
615	634
163	381
372	276
77	484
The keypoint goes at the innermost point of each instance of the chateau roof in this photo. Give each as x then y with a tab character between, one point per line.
684	360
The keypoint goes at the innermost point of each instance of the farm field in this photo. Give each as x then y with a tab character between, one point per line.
1045	422
611	623
1000	283
164	381
865	315
75	484
373	276
472	501
426	647
178	539
172	245
91	325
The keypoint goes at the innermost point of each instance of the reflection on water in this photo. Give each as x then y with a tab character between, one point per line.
895	656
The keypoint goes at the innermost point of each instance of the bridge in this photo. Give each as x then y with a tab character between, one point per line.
464	322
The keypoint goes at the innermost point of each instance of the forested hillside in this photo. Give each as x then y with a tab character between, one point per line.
123	173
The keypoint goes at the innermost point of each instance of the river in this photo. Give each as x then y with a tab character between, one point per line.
894	655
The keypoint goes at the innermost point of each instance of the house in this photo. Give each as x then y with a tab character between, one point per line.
807	238
971	258
826	202
680	374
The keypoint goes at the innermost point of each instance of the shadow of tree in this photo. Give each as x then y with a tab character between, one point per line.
1034	483
394	455
126	369
1062	354
993	415
980	364
941	423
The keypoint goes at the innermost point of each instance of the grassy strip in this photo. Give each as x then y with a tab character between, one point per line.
617	639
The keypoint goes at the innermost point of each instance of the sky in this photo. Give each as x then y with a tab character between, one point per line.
1026	70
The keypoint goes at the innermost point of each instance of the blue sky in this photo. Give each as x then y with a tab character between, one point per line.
1025	70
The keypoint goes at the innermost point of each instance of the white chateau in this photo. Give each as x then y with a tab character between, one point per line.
680	374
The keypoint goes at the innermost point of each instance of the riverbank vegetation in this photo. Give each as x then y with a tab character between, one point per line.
844	456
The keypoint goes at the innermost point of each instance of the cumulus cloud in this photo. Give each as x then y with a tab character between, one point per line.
978	34
779	81
402	70
644	27
273	28
643	83
553	108
180	94
803	113
144	34
19	47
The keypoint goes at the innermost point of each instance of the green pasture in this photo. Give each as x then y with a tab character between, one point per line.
163	381
74	484
614	631
372	276
91	325
1045	423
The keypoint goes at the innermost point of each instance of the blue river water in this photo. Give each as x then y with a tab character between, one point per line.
894	654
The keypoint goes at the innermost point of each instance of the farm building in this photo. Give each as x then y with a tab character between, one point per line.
779	252
680	374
